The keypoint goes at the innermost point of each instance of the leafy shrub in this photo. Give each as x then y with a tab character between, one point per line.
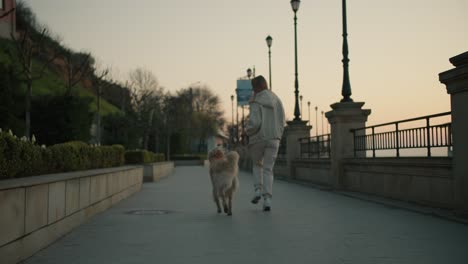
20	158
52	115
143	156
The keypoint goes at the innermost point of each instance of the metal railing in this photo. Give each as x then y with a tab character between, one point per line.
398	138
318	147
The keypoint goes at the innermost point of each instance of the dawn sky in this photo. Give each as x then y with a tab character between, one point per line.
397	48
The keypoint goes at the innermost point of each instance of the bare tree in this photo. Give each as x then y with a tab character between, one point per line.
146	98
28	46
99	81
77	67
143	80
198	114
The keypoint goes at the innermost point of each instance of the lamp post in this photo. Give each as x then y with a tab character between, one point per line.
302	109
237	120
308	106
249	73
232	118
346	88
269	41
232	103
316	121
297	113
322	123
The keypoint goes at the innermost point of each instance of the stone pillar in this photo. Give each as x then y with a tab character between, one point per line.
456	81
293	132
344	117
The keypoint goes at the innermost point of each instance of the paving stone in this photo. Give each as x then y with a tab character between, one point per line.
306	225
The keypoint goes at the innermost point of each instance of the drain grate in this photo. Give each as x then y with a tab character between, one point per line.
148	212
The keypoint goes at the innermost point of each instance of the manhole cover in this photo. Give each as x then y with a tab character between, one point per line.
148	212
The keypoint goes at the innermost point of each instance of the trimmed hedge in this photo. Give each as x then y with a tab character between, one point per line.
143	156
20	158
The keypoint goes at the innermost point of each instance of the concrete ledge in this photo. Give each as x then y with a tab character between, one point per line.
312	170
426	181
38	210
189	163
49	178
12	207
156	171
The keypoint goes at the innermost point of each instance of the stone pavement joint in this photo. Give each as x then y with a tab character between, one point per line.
306	225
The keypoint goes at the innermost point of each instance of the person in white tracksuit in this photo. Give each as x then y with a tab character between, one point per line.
264	127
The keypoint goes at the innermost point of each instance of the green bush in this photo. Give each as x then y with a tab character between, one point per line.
20	158
143	156
51	115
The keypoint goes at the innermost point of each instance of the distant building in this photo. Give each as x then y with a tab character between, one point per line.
7	18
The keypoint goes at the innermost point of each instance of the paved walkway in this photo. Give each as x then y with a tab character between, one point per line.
306	226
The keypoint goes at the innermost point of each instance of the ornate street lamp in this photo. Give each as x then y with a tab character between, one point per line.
316	121
322	123
346	88
308	105
300	99
232	103
237	119
232	118
269	41
249	73
297	113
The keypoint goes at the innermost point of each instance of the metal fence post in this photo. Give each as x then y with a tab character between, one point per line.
354	142
397	131
318	147
428	128
373	142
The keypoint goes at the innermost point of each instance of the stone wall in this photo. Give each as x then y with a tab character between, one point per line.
281	168
426	181
37	211
312	170
156	171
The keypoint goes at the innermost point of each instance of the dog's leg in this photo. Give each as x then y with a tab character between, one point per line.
230	204
216	200
225	205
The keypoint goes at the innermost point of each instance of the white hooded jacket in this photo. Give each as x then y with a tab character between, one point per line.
267	119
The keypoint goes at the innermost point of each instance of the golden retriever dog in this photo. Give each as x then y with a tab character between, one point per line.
223	173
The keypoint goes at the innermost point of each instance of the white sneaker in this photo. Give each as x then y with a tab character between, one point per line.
267	204
257	197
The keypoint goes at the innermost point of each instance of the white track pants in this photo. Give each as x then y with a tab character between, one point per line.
264	155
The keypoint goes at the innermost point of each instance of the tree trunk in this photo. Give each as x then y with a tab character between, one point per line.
28	109
148	129
156	143
98	127
122	101
168	157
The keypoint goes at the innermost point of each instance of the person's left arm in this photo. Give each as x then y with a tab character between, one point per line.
255	120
